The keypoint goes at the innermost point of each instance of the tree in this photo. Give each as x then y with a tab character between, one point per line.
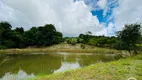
129	37
20	30
47	35
42	36
18	37
85	37
30	37
71	40
5	34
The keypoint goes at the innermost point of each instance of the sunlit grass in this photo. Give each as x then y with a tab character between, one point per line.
115	70
62	48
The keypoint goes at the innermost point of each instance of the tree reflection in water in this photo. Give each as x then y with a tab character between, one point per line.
44	64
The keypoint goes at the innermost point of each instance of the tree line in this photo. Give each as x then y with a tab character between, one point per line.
127	39
89	39
36	36
130	39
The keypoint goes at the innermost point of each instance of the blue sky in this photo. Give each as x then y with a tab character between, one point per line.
72	17
105	18
99	13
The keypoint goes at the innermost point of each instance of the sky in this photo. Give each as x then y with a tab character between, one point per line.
72	17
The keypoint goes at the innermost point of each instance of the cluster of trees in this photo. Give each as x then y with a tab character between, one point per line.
71	40
100	41
130	38
127	39
88	38
37	36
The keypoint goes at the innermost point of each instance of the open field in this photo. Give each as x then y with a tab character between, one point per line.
122	69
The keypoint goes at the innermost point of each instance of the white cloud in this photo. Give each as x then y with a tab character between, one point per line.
13	16
129	11
111	29
102	4
102	32
71	18
110	5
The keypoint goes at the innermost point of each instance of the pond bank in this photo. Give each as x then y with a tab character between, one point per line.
63	48
122	69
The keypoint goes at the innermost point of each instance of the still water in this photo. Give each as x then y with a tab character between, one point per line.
30	65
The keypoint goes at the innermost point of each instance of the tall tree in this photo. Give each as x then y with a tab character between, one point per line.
129	37
5	34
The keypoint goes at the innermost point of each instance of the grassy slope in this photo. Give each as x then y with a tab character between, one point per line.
115	70
63	48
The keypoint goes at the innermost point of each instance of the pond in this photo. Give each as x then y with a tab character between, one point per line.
20	66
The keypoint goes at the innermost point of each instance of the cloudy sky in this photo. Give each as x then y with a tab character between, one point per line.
72	17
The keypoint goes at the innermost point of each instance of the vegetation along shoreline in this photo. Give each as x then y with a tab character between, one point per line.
123	69
45	39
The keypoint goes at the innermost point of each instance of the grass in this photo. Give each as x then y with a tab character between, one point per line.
115	70
62	48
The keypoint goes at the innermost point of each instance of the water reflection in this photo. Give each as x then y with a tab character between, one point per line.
67	66
48	63
45	64
21	75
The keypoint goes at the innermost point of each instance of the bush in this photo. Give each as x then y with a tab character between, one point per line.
3	47
82	46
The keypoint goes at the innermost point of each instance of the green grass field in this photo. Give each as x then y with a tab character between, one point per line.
122	69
